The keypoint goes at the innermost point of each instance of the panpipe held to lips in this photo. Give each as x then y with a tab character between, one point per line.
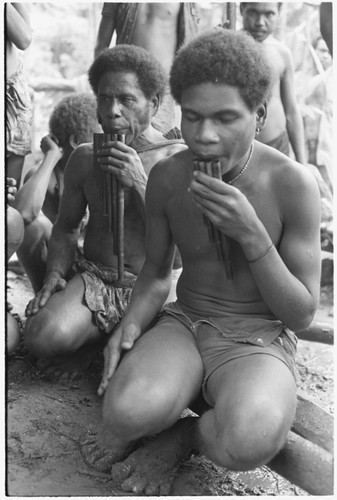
221	241
112	196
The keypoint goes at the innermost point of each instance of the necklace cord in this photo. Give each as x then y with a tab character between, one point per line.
244	167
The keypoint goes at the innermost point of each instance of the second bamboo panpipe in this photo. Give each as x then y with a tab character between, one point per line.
221	241
112	195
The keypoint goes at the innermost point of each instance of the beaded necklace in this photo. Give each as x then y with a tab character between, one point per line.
244	167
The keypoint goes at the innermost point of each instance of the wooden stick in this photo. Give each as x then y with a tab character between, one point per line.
114	222
120	222
99	140
200	166
222	242
112	196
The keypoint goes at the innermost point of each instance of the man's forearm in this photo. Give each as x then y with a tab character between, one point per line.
296	136
61	252
148	297
285	295
30	197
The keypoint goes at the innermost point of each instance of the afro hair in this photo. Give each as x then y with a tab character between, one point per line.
223	56
151	75
74	115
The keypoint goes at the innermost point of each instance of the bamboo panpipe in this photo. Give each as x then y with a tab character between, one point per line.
222	242
112	196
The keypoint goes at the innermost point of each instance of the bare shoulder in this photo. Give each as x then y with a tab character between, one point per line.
171	171
287	178
173	163
277	52
80	162
281	48
175	148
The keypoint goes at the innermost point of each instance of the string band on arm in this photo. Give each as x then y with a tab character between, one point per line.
261	256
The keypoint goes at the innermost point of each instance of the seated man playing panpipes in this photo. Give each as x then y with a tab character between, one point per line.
229	337
77	315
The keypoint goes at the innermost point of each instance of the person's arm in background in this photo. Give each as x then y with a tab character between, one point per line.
31	196
106	28
40	84
294	121
18	29
64	237
325	23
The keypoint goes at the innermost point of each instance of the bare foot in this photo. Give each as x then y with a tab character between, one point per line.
99	458
152	468
66	367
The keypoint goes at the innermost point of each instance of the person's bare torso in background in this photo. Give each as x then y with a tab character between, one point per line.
157	22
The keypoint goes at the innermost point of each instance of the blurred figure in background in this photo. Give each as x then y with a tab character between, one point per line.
72	122
18	101
14	238
318	113
284	121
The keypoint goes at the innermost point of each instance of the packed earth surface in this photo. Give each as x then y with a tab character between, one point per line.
46	422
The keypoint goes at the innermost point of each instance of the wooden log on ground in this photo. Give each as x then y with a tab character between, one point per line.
313	423
317	332
306	465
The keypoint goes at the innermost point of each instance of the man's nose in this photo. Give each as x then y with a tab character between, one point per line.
115	108
206	133
260	20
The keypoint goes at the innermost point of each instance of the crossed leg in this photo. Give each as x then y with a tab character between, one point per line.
62	335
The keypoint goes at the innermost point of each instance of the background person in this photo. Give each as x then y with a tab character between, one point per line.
72	122
284	121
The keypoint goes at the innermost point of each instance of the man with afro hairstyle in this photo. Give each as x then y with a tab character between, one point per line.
73	315
71	123
229	336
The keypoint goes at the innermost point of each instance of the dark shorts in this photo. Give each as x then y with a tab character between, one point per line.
220	340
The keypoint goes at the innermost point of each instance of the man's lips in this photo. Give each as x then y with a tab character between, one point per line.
205	156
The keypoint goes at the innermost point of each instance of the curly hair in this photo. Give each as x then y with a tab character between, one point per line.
243	5
223	56
151	75
74	115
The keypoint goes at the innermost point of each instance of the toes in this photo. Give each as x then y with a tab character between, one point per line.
135	483
103	464
120	471
152	489
165	487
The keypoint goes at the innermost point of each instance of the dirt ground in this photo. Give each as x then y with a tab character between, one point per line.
46	422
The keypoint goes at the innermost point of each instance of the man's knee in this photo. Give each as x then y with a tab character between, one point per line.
46	335
253	436
139	405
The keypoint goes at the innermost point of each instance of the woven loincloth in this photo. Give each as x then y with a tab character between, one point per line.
18	114
106	298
